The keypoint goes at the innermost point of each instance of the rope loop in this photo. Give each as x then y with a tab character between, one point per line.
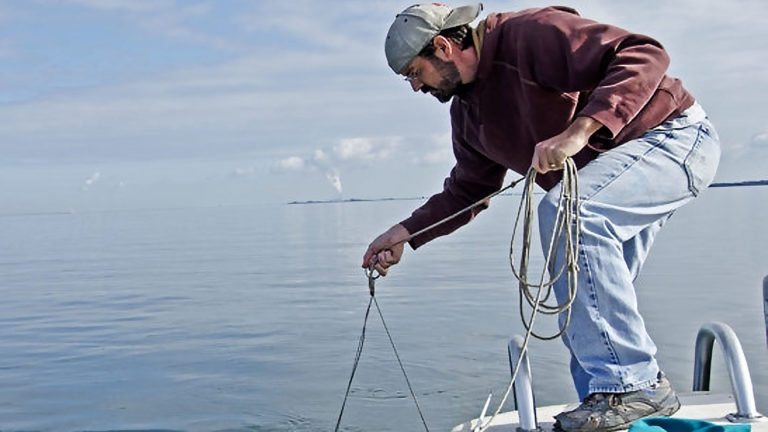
565	235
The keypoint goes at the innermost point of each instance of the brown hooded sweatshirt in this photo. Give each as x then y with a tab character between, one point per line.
538	70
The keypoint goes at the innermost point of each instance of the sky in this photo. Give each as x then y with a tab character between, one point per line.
117	104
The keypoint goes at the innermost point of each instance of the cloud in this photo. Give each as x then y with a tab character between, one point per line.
135	6
318	162
237	106
348	27
90	181
244	172
745	161
366	148
219	106
436	151
293	163
320	156
297	27
173	25
760	140
165	17
437	156
346	151
265	82
307	23
358	156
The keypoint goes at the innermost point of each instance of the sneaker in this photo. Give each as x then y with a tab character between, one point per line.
602	412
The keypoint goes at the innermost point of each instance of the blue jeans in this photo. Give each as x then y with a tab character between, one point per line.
626	194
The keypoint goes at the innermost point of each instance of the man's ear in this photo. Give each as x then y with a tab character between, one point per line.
444	49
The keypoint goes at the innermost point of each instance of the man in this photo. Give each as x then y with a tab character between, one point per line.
529	89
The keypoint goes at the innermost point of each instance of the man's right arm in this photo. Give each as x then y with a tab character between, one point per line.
465	186
473	177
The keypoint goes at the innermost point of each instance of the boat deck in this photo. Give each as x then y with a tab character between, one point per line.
699	405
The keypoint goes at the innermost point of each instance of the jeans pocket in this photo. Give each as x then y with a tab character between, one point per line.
701	162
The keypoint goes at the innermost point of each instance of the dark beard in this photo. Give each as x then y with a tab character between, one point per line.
445	96
450	84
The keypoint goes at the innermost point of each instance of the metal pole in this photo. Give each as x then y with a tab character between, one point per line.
702	359
738	370
525	402
765	307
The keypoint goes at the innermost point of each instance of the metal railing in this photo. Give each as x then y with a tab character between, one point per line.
765	307
736	362
525	402
738	370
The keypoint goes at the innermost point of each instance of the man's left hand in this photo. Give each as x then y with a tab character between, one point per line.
550	154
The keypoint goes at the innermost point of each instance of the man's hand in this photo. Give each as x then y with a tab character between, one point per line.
550	154
386	250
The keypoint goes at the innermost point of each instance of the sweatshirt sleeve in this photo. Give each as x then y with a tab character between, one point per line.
620	70
473	177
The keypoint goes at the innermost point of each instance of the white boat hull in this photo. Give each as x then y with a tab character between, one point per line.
699	405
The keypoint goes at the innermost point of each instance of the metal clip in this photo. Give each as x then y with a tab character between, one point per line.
372	276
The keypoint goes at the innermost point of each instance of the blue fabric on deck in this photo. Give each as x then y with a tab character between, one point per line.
667	424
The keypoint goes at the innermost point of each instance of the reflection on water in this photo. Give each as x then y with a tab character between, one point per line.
247	318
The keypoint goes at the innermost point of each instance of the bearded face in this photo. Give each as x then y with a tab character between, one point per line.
450	80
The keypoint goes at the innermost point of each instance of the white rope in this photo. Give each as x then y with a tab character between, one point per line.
566	221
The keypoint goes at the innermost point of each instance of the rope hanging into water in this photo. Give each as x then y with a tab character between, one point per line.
359	351
372	288
566	221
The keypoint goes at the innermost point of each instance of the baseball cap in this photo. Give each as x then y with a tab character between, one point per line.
417	25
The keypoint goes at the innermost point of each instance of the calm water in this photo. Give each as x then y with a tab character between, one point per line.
247	318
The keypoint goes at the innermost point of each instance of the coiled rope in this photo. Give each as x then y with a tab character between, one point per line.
566	222
566	228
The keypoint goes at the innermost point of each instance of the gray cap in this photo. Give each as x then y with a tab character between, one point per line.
416	26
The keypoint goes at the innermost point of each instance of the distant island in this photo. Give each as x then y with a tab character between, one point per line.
354	200
741	183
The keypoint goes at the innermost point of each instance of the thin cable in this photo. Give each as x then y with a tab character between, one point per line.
372	288
457	214
358	353
402	368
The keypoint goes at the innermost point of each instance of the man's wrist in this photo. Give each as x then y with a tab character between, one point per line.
398	233
584	127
